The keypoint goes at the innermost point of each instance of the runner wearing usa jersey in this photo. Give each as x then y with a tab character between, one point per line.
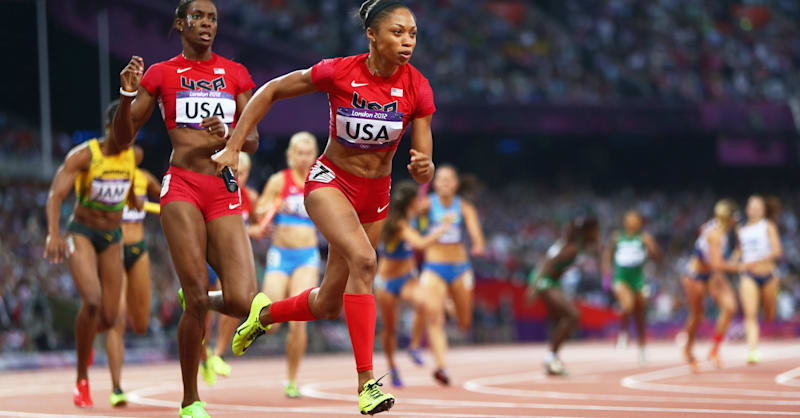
200	95
212	362
374	98
706	274
293	258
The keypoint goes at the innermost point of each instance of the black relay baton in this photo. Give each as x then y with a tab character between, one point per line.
230	180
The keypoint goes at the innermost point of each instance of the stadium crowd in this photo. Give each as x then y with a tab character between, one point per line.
520	222
568	52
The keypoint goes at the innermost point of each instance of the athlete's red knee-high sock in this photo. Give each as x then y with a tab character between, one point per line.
717	341
359	312
294	308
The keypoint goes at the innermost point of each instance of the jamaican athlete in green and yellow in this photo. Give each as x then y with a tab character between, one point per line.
102	173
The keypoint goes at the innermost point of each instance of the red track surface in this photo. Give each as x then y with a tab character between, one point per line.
491	381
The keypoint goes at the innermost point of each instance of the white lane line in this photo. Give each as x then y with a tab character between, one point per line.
643	381
482	386
786	378
141	397
313	390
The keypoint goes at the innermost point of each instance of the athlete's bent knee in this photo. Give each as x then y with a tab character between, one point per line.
108	318
330	308
363	267
140	325
240	305
92	306
196	302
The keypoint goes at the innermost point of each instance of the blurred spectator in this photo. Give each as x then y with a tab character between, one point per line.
567	51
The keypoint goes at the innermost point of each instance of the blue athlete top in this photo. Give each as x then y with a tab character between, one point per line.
436	215
293	208
397	249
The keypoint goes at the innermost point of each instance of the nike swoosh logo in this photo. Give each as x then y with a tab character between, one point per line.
232	207
383	208
183	70
354	84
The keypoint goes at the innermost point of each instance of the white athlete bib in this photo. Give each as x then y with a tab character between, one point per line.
192	106
294	204
630	253
367	129
110	192
132	214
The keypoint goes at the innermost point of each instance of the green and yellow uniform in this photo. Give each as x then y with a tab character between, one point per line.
630	254
553	280
104	187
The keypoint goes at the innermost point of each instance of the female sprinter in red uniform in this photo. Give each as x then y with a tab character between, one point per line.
212	363
200	94
373	97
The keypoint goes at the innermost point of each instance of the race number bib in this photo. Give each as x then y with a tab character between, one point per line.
453	233
110	192
294	205
367	129
192	106
630	254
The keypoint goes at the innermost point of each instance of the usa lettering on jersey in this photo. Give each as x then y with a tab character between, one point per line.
191	107
368	129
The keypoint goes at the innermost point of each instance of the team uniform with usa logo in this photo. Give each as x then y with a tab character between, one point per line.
370	113
188	92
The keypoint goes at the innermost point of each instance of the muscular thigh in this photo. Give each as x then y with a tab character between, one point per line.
110	268
749	294
461	292
557	302
769	294
720	290
303	278
413	293
435	290
138	287
230	254
276	284
695	291
387	303
624	295
185	230
82	264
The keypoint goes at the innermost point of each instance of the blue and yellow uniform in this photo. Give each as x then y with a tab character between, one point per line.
104	187
454	234
399	250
